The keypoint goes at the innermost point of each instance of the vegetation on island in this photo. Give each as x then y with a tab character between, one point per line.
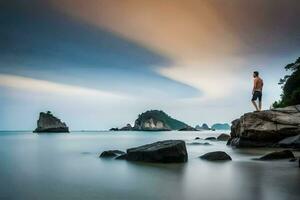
158	115
290	86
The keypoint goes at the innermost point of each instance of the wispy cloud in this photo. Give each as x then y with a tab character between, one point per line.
41	86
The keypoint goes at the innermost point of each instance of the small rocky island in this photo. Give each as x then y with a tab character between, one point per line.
269	128
154	120
51	124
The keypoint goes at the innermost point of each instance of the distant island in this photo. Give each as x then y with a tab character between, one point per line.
220	126
49	123
217	126
154	120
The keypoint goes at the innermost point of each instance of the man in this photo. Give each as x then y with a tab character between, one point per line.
257	90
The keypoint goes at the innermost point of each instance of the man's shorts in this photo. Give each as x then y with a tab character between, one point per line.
257	95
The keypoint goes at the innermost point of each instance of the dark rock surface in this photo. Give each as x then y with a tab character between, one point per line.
223	137
49	123
277	155
291	142
197	138
265	128
168	151
216	156
199	143
111	153
211	138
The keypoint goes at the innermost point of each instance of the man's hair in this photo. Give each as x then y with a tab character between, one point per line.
256	73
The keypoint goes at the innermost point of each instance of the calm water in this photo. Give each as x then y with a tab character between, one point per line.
66	166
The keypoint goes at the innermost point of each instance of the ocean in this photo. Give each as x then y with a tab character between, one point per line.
67	167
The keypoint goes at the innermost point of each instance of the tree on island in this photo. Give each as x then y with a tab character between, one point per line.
290	86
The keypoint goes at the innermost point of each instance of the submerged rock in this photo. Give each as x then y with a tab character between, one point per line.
223	137
199	143
49	123
277	155
168	151
111	153
211	138
197	138
265	128
216	156
291	142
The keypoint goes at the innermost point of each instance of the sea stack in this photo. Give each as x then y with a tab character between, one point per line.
51	124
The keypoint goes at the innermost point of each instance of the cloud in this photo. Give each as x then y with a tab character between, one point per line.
46	87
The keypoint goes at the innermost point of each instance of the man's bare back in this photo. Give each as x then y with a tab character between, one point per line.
257	91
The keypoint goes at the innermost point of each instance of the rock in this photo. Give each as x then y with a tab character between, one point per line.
211	138
121	157
220	126
199	143
299	162
48	123
111	153
197	138
113	129
216	156
223	137
293	160
203	127
265	128
155	120
285	154
128	127
290	142
168	151
188	128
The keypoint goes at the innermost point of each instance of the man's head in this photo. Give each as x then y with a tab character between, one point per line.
255	74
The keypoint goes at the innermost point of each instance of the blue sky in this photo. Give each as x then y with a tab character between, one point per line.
100	66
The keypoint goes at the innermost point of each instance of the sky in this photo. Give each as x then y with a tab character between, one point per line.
97	64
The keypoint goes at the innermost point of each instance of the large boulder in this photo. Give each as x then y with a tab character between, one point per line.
265	128
223	137
49	123
277	155
216	156
168	151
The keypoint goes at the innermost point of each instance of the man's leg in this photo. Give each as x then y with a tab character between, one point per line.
259	105
255	105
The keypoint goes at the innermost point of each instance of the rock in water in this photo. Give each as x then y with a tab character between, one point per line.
277	155
223	137
111	153
49	123
265	128
216	156
210	138
168	151
291	142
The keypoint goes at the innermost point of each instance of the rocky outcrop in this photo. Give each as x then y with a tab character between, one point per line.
155	120
49	123
223	137
216	156
203	127
265	128
277	155
168	151
211	138
111	153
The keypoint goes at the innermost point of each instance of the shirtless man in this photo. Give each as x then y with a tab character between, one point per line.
257	90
